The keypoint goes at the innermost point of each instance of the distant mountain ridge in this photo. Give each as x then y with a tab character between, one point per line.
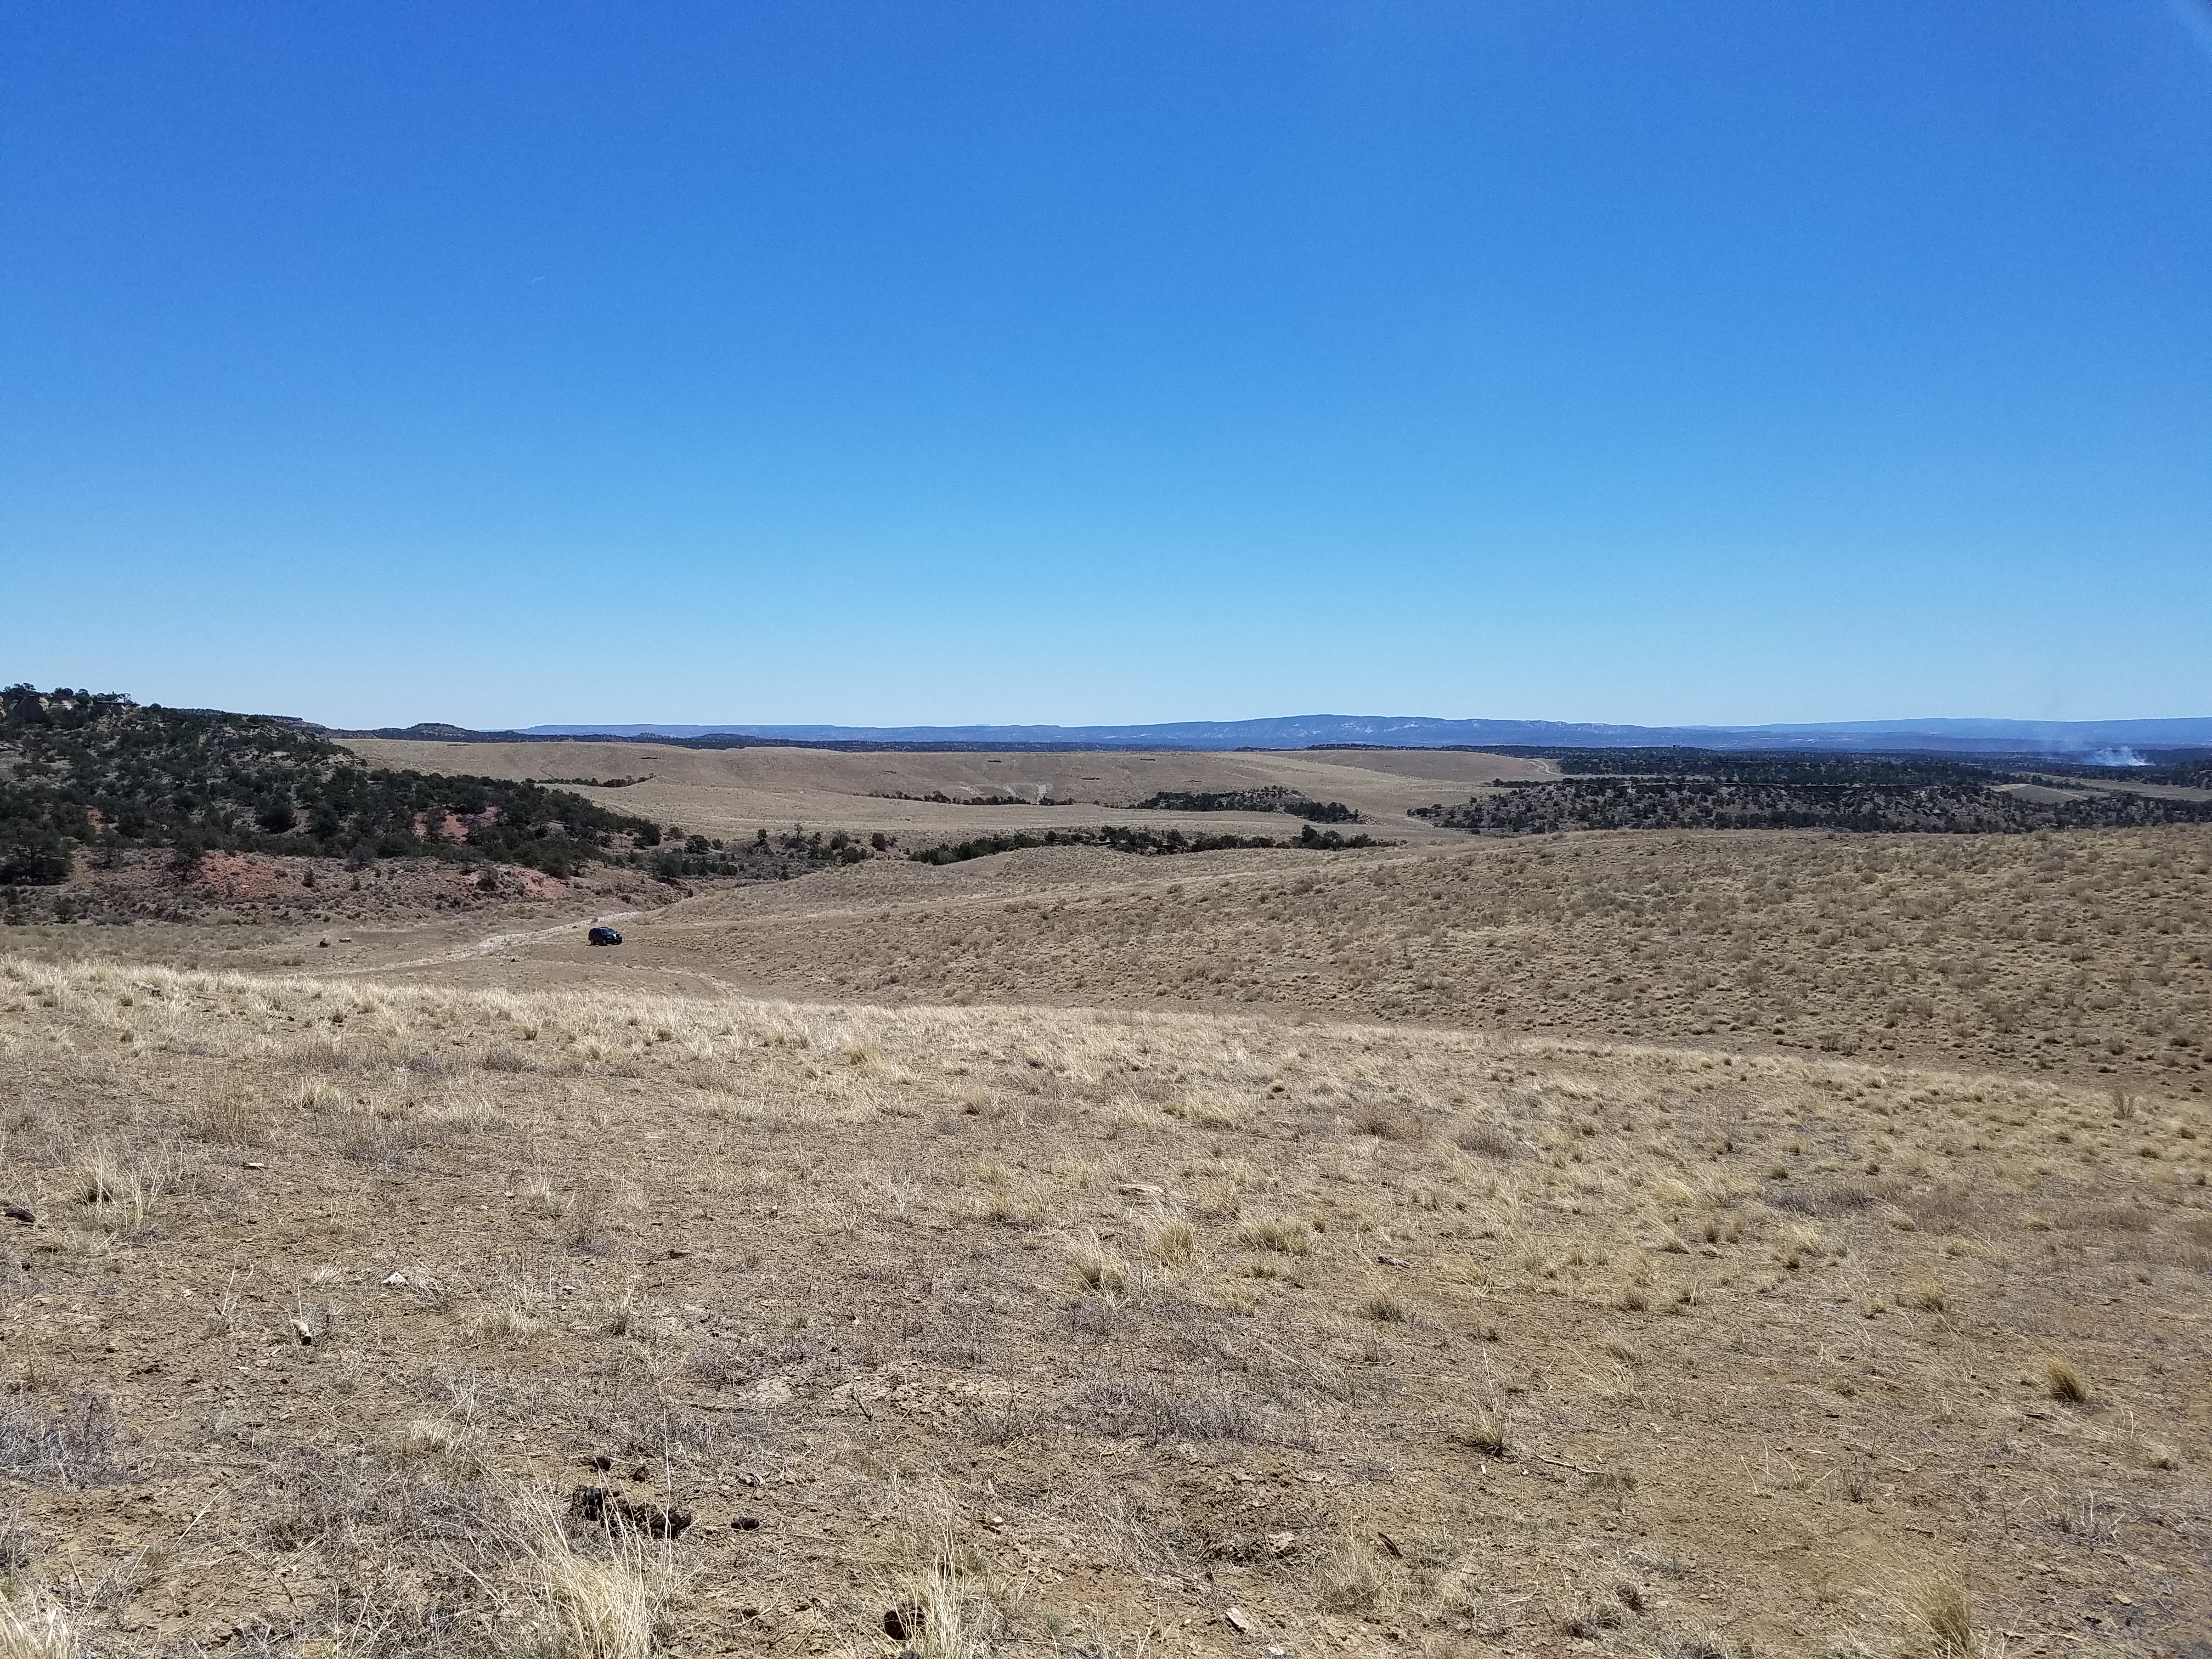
1414	732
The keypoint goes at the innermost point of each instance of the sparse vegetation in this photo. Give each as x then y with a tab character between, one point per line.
489	1308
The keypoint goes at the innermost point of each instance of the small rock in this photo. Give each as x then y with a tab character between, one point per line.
396	1282
1237	1621
602	1462
638	1473
1394	1261
306	1332
994	1522
747	1523
21	1217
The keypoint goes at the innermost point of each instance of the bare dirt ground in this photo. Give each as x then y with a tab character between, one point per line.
1665	1244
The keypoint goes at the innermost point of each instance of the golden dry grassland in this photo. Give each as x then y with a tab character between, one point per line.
730	793
1021	1330
2089	952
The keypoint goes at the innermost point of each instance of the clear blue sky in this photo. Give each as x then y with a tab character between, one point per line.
1064	361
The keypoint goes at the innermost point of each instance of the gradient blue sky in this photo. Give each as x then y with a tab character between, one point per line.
908	362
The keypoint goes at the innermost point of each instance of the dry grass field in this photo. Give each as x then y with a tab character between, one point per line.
2088	952
1656	1245
731	793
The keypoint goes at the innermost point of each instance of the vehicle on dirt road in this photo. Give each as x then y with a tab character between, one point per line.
603	936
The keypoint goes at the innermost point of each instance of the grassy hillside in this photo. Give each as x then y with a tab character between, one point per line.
345	1307
2086	949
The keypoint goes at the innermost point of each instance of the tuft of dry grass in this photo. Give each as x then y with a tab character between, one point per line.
1386	1122
2065	1383
1095	1267
1484	1431
609	1605
1352	1578
585	1225
1943	1608
33	1627
1274	1233
1006	1201
505	1321
1384	1309
461	1445
237	1120
1171	1245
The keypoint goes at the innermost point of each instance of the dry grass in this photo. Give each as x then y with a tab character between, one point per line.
2065	1383
1098	1268
1274	1233
1947	1617
33	1628
610	1603
1484	1431
2088	954
790	1263
1171	1245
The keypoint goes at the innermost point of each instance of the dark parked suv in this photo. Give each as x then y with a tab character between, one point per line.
603	936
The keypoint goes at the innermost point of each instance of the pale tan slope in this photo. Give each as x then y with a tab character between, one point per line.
730	793
2089	952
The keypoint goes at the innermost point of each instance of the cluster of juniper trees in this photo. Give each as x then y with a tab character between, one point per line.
84	773
1134	839
1271	798
1722	803
765	856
